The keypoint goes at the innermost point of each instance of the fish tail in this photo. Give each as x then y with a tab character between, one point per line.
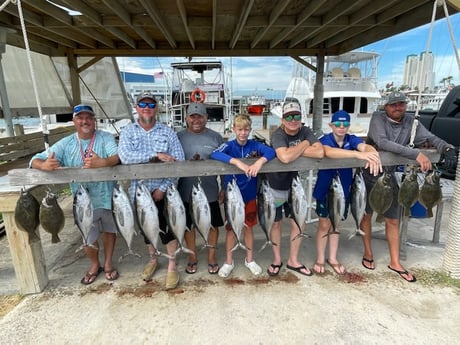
129	252
429	213
235	247
33	237
55	238
158	253
263	247
299	235
188	251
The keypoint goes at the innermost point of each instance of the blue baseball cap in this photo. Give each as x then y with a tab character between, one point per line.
340	115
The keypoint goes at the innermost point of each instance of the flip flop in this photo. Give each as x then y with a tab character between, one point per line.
191	267
112	274
401	274
213	268
336	267
276	269
321	268
299	269
89	278
369	261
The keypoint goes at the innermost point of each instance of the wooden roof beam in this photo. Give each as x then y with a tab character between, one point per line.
93	16
274	15
153	12
183	15
123	14
241	22
327	19
214	24
301	18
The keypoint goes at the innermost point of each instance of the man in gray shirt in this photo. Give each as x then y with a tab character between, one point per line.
390	130
198	142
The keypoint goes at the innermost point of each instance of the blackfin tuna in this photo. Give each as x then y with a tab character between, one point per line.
335	204
358	199
51	216
200	212
83	214
299	205
124	218
266	210
26	215
147	217
176	217
234	211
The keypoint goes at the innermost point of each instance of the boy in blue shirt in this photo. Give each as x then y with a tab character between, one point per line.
231	152
338	144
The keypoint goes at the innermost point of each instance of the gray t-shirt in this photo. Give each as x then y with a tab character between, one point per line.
283	180
202	144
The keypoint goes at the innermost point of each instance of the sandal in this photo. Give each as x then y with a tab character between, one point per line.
318	268
213	268
275	269
338	268
368	261
111	274
191	267
89	278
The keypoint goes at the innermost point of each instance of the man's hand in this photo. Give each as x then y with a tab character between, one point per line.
49	164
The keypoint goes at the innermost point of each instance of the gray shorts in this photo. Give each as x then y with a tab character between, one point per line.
102	222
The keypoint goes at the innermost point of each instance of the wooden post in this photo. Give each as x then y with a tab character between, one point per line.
18	129
28	259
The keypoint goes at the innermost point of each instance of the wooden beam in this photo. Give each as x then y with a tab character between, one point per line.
246	9
154	13
183	16
19	177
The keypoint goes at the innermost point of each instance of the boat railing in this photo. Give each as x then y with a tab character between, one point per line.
349	84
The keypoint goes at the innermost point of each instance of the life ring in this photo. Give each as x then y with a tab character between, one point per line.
198	96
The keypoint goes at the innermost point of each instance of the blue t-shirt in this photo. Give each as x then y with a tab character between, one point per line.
68	152
252	149
350	142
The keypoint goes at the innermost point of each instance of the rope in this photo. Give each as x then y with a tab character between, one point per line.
6	4
419	79
452	38
32	75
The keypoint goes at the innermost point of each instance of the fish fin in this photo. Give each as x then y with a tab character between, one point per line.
55	238
267	243
235	247
380	218
429	213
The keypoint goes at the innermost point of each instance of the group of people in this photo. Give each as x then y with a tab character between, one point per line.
148	140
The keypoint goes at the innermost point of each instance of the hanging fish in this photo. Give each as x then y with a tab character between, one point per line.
381	195
358	198
83	214
124	218
266	210
335	204
299	207
26	214
147	217
200	212
234	210
408	191
431	193
51	216
176	217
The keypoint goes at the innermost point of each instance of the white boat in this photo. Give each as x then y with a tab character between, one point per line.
200	81
350	83
428	101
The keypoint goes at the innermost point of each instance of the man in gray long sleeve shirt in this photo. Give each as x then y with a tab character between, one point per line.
390	130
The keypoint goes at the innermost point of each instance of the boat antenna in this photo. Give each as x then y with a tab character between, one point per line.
32	74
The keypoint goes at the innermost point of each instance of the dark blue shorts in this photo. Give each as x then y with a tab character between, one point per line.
323	212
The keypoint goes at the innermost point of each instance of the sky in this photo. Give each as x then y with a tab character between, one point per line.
270	76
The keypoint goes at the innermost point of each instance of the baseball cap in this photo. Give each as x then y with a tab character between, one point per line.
82	108
291	108
145	95
340	115
396	97
196	108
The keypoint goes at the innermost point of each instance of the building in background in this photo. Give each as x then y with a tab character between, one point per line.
418	72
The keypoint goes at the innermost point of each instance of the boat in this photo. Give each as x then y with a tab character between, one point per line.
428	101
350	83
256	105
204	82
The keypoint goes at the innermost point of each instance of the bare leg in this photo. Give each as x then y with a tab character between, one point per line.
212	240
295	247
366	226
275	235
93	256
190	238
171	249
249	243
109	246
229	244
392	234
324	225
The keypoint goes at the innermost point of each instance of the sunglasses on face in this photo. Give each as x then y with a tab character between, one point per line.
145	105
341	123
296	117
